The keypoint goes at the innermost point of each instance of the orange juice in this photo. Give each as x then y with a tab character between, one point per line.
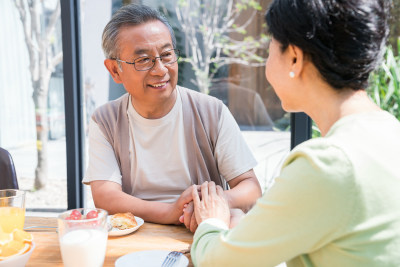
11	218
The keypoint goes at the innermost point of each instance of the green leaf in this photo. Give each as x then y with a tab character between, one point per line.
384	87
255	5
239	7
182	3
248	39
241	31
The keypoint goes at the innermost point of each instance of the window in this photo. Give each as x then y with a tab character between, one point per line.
242	87
32	117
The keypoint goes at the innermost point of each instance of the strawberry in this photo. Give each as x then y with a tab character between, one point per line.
75	215
92	214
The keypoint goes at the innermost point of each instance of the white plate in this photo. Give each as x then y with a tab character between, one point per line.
117	232
148	258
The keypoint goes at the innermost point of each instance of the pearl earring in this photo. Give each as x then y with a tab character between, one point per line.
291	74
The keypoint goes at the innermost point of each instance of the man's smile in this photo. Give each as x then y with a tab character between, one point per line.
159	85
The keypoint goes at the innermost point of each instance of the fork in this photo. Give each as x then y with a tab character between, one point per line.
171	258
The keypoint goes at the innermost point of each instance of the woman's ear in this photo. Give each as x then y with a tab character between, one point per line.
296	57
113	69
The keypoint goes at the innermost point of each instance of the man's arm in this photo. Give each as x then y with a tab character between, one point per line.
245	190
235	163
109	196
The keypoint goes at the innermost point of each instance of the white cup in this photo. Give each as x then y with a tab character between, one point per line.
83	241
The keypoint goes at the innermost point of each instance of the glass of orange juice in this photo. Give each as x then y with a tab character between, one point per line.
12	210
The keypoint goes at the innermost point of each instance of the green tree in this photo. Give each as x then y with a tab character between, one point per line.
211	29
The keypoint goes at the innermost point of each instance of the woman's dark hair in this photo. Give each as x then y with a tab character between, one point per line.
343	38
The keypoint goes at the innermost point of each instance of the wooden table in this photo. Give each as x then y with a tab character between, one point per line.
148	237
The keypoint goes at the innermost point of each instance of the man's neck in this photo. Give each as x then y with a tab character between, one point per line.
155	110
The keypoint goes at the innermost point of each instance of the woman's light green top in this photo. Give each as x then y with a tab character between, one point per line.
335	203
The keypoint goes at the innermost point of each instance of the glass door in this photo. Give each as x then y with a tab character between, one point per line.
237	79
32	117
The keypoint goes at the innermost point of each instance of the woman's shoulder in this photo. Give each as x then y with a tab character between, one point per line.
322	149
322	158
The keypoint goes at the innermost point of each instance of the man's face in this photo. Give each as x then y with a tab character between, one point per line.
152	88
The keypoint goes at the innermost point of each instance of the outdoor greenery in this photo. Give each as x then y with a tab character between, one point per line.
385	83
216	35
395	25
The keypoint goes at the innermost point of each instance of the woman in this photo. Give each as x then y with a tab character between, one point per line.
336	201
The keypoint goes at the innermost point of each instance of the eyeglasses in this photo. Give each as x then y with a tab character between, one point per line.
148	62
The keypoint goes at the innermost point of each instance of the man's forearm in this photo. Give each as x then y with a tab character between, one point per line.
244	195
150	211
109	196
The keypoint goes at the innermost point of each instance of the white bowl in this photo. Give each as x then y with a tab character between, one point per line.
18	261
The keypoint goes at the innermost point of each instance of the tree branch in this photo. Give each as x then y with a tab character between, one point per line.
53	20
207	25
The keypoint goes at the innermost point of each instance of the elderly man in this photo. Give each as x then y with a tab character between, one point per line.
149	146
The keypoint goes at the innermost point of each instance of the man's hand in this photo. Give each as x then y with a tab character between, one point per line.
179	205
188	218
212	204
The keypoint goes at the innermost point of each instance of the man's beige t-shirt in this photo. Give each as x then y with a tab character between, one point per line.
158	154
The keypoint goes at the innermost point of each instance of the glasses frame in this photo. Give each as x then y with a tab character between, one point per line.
153	59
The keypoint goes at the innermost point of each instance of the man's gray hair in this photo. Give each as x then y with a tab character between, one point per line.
129	15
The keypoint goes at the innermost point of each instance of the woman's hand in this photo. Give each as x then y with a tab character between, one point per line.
212	204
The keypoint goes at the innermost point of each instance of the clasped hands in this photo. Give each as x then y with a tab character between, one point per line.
208	201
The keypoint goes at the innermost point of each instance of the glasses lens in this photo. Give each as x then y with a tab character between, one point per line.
168	57
146	63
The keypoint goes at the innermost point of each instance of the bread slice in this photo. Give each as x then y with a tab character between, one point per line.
123	220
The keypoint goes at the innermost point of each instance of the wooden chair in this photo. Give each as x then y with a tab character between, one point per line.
8	176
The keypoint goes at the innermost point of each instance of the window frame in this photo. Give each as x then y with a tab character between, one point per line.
73	88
